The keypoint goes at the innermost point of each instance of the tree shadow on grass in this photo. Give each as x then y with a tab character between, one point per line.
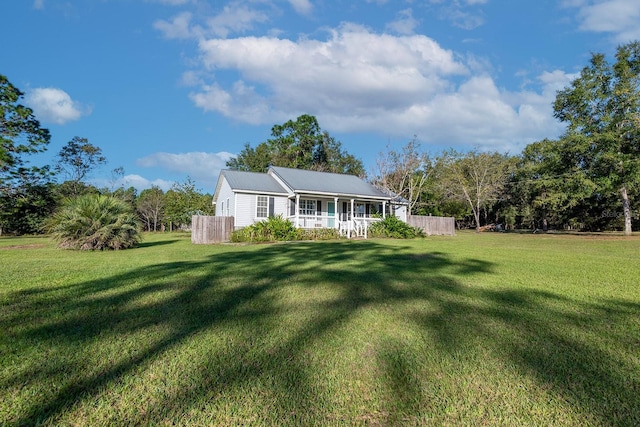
233	314
144	244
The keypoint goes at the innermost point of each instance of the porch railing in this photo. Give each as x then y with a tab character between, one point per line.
344	223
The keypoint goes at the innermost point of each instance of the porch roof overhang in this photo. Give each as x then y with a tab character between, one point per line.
348	196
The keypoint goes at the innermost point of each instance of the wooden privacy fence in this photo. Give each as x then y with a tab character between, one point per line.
211	229
434	225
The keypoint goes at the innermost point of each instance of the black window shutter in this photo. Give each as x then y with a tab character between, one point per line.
271	206
319	208
367	209
292	211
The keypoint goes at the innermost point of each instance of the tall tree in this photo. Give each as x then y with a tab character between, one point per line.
549	187
20	134
475	178
182	201
404	173
602	111
151	205
300	144
294	143
76	159
25	193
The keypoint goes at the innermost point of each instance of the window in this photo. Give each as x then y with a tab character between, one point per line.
360	210
228	206
307	207
262	206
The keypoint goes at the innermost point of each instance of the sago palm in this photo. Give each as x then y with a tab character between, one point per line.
95	222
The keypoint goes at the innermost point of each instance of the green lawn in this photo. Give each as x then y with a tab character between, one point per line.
489	329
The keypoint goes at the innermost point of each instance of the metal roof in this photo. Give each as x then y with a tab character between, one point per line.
254	182
306	181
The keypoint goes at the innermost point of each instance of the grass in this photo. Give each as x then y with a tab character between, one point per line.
489	329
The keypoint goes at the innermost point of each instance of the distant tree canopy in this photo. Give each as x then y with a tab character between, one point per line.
299	144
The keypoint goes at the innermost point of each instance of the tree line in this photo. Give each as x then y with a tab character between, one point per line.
587	179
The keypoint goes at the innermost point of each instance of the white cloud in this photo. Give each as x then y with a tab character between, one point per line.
54	105
405	23
191	78
461	13
357	80
233	18
202	167
132	180
241	103
618	17
38	4
353	71
141	183
178	28
303	7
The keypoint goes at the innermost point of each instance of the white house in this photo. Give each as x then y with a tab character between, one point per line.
309	199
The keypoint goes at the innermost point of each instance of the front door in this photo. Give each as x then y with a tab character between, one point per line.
331	213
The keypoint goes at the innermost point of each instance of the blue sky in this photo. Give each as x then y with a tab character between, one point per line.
173	88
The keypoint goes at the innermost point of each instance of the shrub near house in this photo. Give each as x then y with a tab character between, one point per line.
393	227
276	228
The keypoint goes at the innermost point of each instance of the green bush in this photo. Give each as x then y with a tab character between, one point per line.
393	227
275	228
278	229
95	222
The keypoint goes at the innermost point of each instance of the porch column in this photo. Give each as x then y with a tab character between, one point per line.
384	209
297	211
352	217
336	221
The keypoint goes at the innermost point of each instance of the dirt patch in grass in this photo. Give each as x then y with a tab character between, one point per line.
34	246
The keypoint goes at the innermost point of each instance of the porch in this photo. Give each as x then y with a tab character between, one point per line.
352	217
345	224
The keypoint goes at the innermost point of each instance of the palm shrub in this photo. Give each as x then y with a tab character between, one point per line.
95	222
393	227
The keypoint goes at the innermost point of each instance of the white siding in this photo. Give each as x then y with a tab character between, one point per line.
246	209
225	193
280	206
